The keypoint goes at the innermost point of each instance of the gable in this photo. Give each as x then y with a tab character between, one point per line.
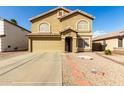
72	21
69	32
74	15
50	18
49	12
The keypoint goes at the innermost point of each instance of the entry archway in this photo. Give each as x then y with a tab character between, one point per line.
68	44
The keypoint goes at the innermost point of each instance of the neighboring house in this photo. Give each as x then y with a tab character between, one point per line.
61	30
113	41
12	37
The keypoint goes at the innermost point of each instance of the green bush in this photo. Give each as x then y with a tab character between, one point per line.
108	52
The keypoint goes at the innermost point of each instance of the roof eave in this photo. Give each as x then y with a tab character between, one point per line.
43	35
79	11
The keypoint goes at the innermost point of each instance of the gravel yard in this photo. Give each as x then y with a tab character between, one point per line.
99	71
116	57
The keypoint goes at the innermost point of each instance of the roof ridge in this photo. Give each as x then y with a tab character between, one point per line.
49	11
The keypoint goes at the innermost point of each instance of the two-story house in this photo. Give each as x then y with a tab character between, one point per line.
61	30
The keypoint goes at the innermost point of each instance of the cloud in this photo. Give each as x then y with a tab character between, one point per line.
98	33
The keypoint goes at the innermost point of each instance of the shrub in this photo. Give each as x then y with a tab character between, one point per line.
108	52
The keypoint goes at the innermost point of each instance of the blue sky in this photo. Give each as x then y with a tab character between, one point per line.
108	18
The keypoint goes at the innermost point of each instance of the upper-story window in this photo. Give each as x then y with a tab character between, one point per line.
60	13
44	27
83	25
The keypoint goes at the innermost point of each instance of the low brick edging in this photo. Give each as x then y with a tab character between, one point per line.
77	74
115	61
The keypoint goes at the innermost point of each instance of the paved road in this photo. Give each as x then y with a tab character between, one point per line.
32	69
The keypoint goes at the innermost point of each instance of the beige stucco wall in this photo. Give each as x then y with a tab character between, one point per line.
72	20
123	42
52	19
14	37
0	44
56	25
111	43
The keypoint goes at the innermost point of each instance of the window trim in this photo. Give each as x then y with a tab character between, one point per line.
48	25
104	42
79	30
89	39
121	43
58	13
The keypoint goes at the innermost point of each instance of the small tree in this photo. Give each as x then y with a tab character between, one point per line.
14	21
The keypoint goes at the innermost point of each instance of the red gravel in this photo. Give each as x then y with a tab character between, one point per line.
76	77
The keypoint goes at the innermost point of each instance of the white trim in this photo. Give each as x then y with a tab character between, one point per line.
58	13
46	23
121	43
81	29
88	42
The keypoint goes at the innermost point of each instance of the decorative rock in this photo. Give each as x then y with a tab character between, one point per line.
86	57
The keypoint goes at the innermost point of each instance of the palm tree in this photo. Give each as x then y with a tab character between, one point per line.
14	21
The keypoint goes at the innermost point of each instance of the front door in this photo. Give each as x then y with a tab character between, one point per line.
68	44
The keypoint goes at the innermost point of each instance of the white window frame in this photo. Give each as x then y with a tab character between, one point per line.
121	42
81	29
88	42
58	13
45	23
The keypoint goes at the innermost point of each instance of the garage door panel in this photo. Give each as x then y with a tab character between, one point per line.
46	45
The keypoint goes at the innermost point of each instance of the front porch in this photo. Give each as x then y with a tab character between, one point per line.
73	42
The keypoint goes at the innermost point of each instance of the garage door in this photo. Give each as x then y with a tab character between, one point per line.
47	45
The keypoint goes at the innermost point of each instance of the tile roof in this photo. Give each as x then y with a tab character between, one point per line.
43	34
109	35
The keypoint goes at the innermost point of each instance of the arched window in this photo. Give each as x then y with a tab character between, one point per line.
83	25
44	27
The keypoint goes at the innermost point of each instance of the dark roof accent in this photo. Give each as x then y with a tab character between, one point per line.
2	35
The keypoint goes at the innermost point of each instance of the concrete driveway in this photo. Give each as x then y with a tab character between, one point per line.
32	69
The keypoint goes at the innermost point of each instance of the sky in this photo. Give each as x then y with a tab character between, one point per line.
107	18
